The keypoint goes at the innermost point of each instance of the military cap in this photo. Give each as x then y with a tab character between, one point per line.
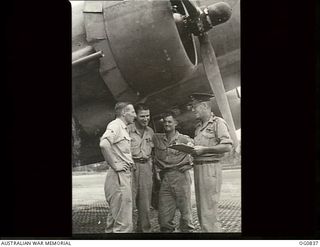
200	97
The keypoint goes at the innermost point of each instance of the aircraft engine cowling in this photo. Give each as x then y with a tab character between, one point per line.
143	49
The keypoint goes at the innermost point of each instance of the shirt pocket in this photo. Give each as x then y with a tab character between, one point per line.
161	146
173	152
214	172
208	139
148	145
134	142
124	145
211	170
135	146
161	152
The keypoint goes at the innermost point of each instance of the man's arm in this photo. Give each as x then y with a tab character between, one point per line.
156	170
155	167
225	143
217	149
107	154
190	142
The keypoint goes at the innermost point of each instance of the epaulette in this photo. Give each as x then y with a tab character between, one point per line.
219	120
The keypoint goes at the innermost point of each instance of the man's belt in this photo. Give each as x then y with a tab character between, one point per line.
169	169
201	162
141	160
174	168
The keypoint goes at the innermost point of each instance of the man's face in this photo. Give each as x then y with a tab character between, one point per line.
143	118
129	114
169	124
198	109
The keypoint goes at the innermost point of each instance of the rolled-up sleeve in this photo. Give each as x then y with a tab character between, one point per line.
185	139
223	133
111	133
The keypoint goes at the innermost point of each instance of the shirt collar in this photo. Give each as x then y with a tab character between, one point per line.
122	124
175	137
135	129
211	120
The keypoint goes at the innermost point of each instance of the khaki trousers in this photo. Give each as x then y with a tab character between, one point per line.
208	180
175	192
142	192
119	199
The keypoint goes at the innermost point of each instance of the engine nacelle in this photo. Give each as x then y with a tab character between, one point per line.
143	51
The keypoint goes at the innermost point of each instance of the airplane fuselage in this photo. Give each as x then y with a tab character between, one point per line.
145	59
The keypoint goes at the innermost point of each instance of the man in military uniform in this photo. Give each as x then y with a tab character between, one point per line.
212	140
175	190
141	147
115	147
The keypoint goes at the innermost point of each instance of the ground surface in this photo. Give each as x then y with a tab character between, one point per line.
89	207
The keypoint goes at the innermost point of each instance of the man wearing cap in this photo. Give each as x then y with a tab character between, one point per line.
212	140
115	147
141	147
175	190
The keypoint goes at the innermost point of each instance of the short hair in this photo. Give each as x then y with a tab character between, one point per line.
141	107
169	114
119	107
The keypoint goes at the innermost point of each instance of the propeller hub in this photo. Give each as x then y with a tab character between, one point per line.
218	13
200	20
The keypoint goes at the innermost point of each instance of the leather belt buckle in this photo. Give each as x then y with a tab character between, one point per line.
141	160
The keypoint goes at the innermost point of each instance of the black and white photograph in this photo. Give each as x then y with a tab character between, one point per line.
161	120
156	117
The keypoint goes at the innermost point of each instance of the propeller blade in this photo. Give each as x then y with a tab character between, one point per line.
212	71
193	10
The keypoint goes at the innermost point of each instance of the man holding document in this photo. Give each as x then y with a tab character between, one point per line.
212	141
174	165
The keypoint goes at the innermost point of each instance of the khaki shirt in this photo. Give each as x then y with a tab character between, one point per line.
141	145
120	141
167	157
211	133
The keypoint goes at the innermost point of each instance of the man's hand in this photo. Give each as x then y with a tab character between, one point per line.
158	176
122	167
185	168
198	150
190	144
